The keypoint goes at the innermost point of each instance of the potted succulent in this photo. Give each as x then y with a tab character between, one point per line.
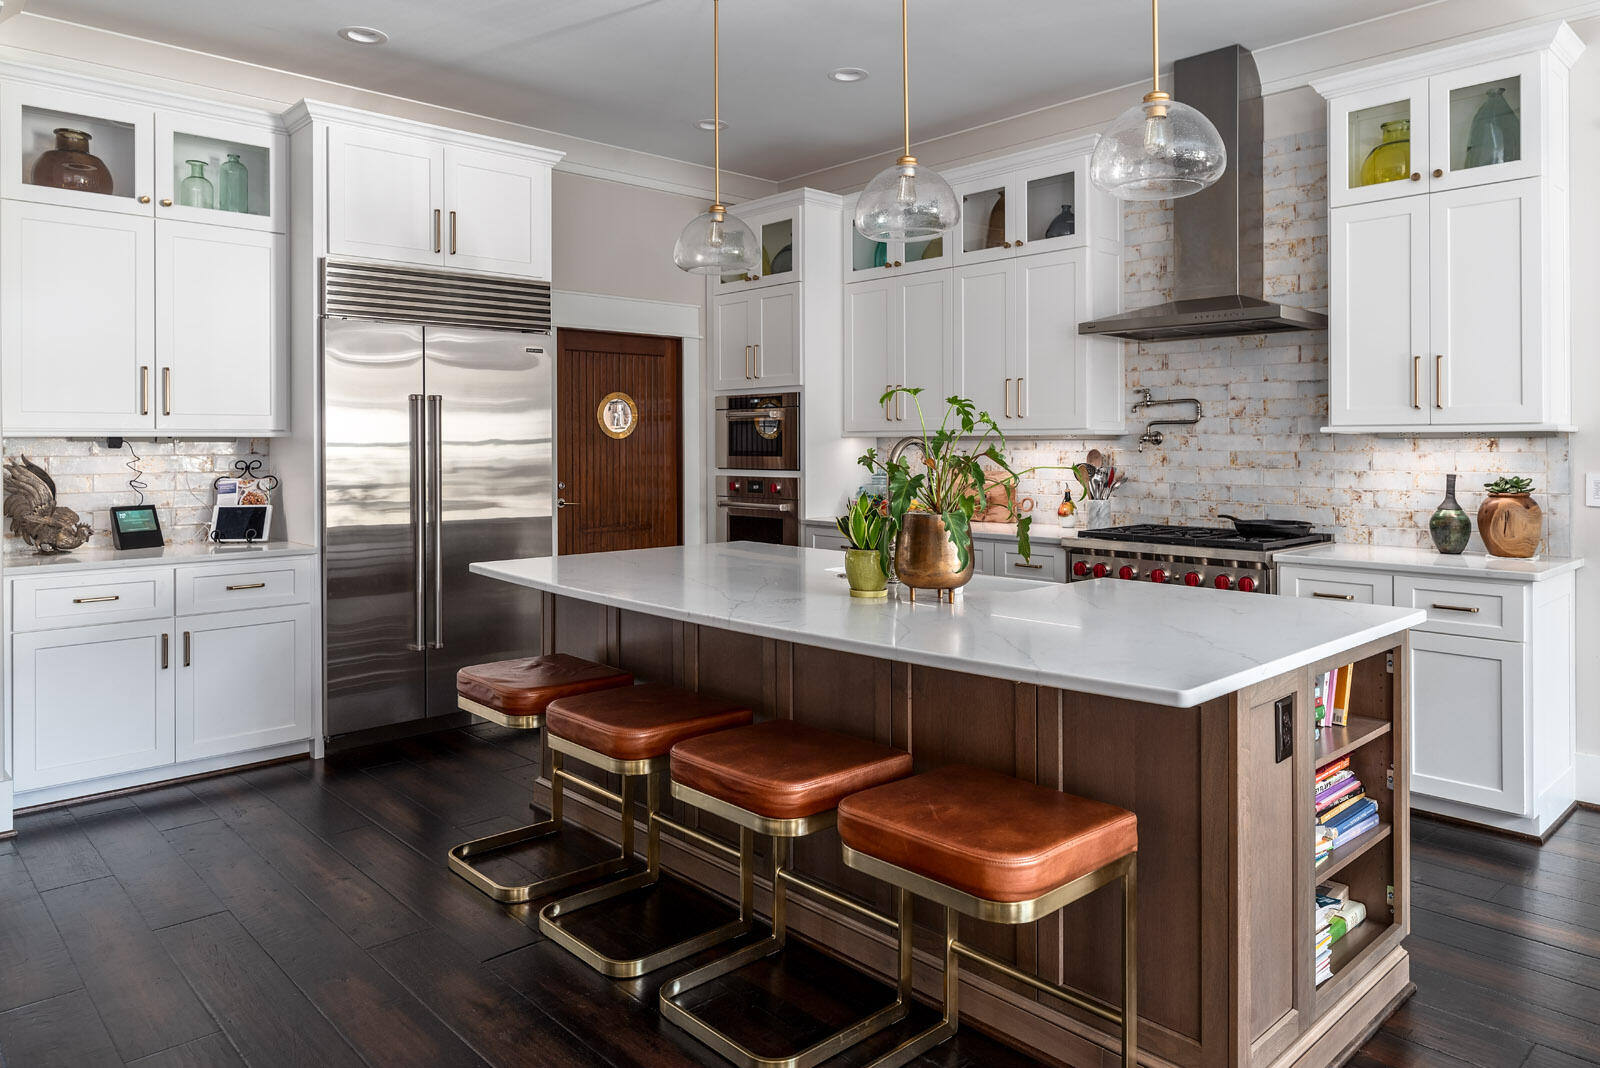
927	534
1509	521
863	527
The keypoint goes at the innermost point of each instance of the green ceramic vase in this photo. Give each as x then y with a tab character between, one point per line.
1450	527
865	573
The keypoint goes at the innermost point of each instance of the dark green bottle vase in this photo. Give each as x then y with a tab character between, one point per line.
1450	527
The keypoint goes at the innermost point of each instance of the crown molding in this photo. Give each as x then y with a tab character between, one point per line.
1555	38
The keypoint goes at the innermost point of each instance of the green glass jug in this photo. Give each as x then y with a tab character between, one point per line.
233	193
195	191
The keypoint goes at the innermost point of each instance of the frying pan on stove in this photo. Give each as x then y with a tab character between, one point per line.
1269	528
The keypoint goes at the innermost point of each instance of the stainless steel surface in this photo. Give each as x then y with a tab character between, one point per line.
386	292
419	500
1217	232
1148	561
758	432
758	508
435	494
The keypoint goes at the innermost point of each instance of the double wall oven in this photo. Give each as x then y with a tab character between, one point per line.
758	432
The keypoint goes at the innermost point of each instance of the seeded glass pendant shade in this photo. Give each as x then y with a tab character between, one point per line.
715	242
906	202
1158	149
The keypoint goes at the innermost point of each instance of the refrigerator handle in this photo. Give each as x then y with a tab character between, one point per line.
418	500
436	508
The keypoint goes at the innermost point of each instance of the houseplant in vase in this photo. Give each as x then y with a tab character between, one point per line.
1509	521
927	535
863	526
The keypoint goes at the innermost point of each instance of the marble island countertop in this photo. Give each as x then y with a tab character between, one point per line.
1169	645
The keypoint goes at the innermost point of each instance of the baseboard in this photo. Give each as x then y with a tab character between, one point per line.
166	775
1589	779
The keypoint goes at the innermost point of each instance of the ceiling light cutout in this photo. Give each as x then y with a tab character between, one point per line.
849	74
711	125
363	35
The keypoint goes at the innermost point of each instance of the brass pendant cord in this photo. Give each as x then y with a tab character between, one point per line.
905	79
1155	46
716	100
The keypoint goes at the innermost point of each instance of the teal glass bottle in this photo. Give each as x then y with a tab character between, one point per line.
195	191
1496	132
1450	527
233	185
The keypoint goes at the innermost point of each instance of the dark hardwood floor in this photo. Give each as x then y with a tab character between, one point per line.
302	914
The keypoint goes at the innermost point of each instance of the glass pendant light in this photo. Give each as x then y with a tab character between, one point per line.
1158	149
715	242
906	202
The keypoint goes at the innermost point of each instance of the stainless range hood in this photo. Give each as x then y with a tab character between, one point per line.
1217	231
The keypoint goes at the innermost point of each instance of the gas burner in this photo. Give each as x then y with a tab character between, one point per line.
1202	537
1216	557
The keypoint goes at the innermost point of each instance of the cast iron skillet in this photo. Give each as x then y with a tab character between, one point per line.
1269	528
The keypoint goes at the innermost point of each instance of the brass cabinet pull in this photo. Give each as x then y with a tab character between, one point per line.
900	404
747	363
97	600
1455	608
452	233
144	389
1008	398
165	641
1019	242
1416	176
249	586
1019	394
1416	382
166	202
166	391
1438	381
1335	596
1006	245
755	361
899	263
187	649
438	244
887	413
144	200
1438	172
1031	567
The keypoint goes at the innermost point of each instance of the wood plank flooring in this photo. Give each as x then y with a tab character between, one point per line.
303	914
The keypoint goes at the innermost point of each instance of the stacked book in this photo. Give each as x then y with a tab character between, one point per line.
1337	916
1330	698
1344	811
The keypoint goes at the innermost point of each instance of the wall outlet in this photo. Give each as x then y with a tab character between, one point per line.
1591	489
1283	742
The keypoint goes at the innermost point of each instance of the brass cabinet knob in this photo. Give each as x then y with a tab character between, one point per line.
1416	176
166	202
144	200
1006	245
1438	172
1019	242
755	278
898	263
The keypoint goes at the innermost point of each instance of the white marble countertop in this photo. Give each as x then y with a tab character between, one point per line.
187	553
1428	562
1170	645
1039	533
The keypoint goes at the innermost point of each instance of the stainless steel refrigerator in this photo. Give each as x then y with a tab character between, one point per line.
438	446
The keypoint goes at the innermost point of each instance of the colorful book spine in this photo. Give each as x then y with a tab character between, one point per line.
1341	695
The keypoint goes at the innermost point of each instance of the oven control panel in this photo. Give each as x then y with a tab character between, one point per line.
758	488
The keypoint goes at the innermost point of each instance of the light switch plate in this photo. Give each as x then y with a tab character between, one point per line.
1591	489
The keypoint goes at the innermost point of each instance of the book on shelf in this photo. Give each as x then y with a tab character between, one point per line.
1337	916
1335	789
1343	804
1340	826
1345	919
1328	771
1340	713
1336	891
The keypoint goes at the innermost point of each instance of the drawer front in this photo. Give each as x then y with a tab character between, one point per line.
258	584
70	600
820	537
1048	563
1331	584
1480	609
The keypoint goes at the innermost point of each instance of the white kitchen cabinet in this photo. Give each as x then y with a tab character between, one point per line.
865	260
497	212
1037	201
260	148
985	336
244	680
91	701
77	303
221	329
121	135
899	331
757	338
1379	310
385	196
1467	701
780	233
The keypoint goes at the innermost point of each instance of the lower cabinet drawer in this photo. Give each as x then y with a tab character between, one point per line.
70	600
1048	562
1472	609
1336	584
258	584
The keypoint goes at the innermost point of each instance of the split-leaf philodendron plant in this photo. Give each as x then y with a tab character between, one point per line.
950	483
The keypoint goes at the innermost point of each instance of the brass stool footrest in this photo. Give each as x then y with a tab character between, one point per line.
462	855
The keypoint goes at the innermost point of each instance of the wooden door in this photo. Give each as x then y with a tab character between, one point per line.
613	491
497	211
385	196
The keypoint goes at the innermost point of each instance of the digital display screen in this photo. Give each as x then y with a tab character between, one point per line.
136	519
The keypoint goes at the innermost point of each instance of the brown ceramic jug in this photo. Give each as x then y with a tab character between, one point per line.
1511	524
70	166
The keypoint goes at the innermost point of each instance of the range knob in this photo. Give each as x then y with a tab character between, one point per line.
1080	569
1246	583
1223	582
1192	578
1127	571
1158	574
1101	570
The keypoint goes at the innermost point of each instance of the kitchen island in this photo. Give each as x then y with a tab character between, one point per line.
1166	701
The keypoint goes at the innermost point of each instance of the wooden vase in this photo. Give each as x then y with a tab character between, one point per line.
924	558
1511	524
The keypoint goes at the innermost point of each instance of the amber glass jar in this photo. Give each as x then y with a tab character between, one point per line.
1391	160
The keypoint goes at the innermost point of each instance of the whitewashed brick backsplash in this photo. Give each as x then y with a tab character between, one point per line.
91	478
1259	450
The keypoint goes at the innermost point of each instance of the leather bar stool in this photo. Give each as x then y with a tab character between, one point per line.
630	733
516	694
1003	851
785	780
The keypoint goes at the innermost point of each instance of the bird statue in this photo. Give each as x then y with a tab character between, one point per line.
35	517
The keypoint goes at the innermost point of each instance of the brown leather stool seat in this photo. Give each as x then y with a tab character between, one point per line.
987	834
784	770
641	722
523	688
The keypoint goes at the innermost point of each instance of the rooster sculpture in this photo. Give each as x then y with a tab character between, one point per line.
35	516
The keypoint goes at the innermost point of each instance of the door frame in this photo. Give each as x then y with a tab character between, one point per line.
657	318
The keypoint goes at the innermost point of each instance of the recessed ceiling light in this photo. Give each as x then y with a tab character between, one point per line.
848	74
710	125
363	35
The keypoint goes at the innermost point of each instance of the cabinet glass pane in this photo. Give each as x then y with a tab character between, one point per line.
64	150
931	249
1486	124
1052	208
239	175
777	247
1380	144
866	254
983	220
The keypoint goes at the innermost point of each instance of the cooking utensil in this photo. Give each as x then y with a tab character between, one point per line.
1268	528
1096	458
1081	471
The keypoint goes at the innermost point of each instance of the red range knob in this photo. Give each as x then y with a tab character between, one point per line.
1080	569
1101	570
1158	575
1223	582
1192	579
1127	571
1247	583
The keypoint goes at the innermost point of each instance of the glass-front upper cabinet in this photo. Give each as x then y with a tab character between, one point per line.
1486	123
1378	144
779	237
220	172
871	259
1029	210
75	149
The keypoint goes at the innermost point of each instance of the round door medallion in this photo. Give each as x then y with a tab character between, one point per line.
618	415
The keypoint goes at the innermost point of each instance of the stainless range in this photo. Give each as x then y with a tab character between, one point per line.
1185	556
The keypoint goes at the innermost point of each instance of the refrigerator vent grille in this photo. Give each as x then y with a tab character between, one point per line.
353	289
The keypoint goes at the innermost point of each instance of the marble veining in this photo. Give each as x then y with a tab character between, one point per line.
184	553
1429	562
1167	645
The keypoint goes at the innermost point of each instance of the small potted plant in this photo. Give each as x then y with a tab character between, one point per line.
863	527
1510	522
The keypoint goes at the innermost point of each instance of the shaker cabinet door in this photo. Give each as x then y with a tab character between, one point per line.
734	361
1469	728
77	344
871	362
385	196
985	338
221	329
923	344
243	680
776	356
1048	361
497	211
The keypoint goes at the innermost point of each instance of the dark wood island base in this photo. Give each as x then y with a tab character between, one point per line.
1226	868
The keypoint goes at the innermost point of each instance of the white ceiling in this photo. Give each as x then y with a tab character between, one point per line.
636	73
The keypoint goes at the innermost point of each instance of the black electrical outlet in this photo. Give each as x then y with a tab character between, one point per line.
1284	725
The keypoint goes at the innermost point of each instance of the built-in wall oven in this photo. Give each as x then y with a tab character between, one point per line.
758	508
758	432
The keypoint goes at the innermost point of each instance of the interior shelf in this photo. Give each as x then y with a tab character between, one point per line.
1343	855
1337	741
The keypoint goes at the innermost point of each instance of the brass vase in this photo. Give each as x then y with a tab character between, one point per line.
70	166
925	559
1511	524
